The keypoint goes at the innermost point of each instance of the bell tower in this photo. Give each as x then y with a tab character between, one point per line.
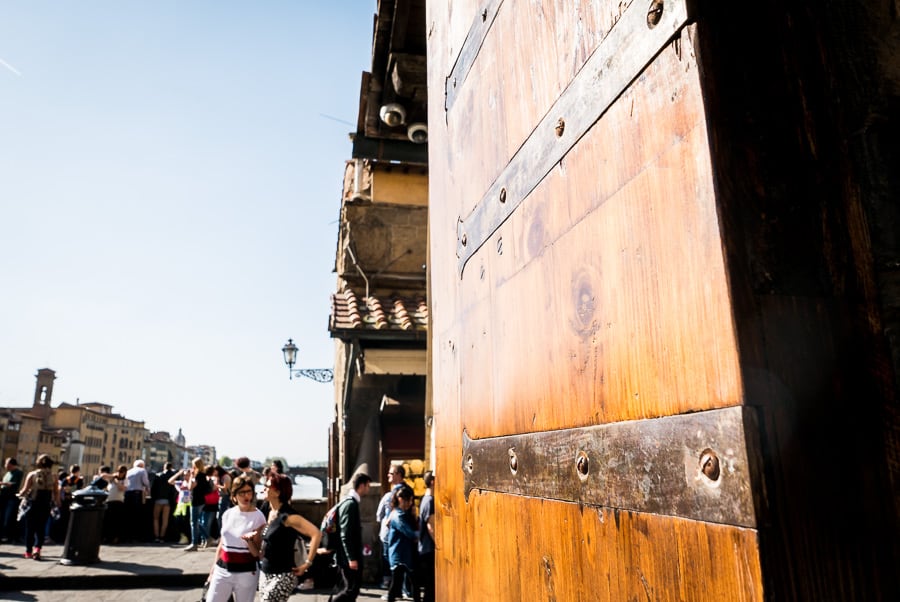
43	392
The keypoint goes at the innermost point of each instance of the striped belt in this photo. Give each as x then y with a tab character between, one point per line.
236	562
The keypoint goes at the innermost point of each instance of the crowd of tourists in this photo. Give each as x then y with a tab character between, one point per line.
183	506
262	547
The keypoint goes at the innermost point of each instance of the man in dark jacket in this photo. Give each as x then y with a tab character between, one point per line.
349	553
9	503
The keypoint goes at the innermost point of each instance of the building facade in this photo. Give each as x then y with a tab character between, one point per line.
380	317
108	438
160	448
89	434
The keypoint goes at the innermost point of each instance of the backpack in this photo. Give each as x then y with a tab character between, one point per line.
330	527
159	484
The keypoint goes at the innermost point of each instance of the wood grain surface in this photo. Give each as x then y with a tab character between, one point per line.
603	298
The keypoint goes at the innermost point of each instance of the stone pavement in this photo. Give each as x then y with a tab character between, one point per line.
149	572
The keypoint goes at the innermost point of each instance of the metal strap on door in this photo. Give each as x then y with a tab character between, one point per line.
643	30
698	466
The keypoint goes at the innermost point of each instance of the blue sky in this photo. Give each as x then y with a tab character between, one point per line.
170	182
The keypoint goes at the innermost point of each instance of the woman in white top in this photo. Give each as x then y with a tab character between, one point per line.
114	517
235	569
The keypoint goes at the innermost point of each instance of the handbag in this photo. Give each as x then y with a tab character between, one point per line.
24	507
212	497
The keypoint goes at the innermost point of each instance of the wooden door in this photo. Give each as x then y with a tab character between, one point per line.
614	392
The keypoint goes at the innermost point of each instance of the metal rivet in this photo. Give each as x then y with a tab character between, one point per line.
481	275
560	127
470	464
582	465
513	460
500	246
454	82
484	15
463	239
503	195
709	464
654	13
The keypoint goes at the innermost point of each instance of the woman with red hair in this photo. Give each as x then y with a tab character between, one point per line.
283	527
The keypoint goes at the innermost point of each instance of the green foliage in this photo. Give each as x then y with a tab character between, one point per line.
225	461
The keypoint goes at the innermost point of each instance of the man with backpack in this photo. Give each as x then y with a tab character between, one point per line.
347	541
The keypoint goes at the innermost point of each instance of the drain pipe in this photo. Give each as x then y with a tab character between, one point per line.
356	263
357	176
348	385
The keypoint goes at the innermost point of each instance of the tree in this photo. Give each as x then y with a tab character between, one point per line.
225	461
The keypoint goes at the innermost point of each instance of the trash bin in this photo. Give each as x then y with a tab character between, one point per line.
85	526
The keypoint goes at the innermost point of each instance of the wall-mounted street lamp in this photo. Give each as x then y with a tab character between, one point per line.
321	375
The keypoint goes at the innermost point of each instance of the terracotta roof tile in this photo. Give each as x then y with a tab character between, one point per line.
387	313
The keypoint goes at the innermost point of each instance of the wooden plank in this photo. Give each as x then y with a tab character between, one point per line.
797	139
612	305
493	117
698	466
620	58
519	548
507	357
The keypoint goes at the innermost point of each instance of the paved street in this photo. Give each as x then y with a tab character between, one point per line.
157	572
151	595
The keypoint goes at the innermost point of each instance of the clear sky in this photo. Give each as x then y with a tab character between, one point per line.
170	183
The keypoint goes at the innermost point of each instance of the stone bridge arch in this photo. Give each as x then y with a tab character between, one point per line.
319	473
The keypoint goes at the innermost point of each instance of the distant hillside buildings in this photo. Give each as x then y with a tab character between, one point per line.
88	434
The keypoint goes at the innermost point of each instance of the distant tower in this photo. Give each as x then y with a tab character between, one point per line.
43	392
179	441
